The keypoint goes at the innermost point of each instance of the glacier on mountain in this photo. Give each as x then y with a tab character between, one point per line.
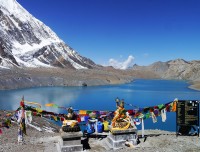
27	42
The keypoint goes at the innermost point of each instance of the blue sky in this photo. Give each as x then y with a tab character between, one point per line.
131	31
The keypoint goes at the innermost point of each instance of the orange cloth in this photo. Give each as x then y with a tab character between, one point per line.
82	112
174	106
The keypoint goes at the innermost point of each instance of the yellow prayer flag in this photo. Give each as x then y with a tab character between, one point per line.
82	112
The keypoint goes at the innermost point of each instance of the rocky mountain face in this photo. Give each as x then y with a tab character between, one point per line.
174	69
27	42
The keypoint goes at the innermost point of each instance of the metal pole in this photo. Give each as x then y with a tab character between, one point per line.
198	118
176	120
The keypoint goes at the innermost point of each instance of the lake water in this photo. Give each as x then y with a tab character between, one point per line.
141	93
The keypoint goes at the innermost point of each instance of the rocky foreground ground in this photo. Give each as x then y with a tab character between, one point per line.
47	140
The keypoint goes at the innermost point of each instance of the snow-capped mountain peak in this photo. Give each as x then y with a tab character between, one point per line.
9	5
26	41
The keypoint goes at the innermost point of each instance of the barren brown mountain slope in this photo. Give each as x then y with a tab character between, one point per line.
34	77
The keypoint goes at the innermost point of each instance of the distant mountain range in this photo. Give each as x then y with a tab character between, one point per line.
174	69
27	42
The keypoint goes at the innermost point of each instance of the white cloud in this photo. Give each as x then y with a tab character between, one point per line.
123	64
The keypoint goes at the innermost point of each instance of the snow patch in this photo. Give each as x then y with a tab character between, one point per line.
78	66
2	67
19	49
36	62
6	64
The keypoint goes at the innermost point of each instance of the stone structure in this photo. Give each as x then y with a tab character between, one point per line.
117	138
122	129
71	142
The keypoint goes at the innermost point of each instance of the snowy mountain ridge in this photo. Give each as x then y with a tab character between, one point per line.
27	42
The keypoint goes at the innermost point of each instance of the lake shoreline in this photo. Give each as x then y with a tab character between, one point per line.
18	78
195	85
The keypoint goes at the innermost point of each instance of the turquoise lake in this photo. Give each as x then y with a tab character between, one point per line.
141	93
